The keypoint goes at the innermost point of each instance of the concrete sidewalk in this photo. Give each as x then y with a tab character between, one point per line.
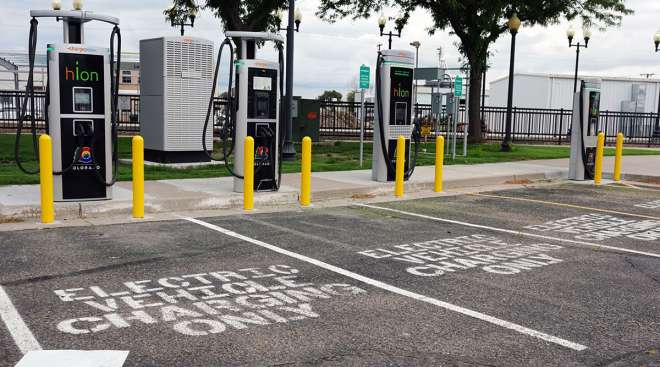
21	202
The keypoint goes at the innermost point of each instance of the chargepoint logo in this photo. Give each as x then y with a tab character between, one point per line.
76	73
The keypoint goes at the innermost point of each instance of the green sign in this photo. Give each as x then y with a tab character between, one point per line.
364	77
458	86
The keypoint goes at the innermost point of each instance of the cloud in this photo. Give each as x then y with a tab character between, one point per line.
328	56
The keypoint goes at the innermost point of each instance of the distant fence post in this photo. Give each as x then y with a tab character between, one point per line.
560	133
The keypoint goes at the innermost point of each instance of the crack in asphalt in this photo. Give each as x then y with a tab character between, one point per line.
632	265
624	356
42	278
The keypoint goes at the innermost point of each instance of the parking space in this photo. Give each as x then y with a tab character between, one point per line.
453	280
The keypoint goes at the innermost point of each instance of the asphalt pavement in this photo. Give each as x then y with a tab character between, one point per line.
547	275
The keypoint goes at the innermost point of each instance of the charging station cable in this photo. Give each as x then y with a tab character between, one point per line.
30	96
229	110
114	109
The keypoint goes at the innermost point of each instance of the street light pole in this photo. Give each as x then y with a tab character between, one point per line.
288	150
514	25
570	33
656	131
381	24
178	18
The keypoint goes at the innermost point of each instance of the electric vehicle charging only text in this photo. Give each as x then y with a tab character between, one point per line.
584	130
394	104
81	107
253	110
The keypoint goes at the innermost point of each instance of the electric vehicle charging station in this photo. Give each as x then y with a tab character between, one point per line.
393	116
584	130
254	111
81	107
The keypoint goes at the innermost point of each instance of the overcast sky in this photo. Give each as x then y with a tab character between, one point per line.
327	56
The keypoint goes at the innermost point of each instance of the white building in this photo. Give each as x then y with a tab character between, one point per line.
556	91
129	81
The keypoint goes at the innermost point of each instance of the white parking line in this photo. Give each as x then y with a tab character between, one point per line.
397	290
512	231
21	334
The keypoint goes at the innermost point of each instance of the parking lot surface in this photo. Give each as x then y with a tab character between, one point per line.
554	275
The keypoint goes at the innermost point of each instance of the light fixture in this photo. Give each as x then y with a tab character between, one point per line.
193	15
586	31
514	23
656	40
57	4
570	33
381	23
297	18
399	26
77	4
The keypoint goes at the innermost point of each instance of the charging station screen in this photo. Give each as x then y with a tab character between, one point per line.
82	99
401	80
262	104
400	113
262	83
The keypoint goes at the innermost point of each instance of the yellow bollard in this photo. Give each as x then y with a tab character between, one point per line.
439	162
400	161
248	174
598	175
306	172
138	176
617	157
46	179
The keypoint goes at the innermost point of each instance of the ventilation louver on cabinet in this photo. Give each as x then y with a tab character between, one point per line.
189	73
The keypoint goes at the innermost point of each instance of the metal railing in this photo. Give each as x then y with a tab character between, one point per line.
342	120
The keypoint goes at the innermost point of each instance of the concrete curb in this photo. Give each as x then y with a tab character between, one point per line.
234	201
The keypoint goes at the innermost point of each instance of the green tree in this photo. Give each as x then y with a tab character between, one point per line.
236	15
479	23
330	95
350	96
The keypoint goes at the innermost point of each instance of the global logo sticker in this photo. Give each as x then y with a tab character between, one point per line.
85	155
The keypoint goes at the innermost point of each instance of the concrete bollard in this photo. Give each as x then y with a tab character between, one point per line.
439	162
306	172
600	147
138	176
248	174
46	179
617	157
400	162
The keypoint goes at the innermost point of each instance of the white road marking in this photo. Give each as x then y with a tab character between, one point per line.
21	334
397	290
74	358
512	231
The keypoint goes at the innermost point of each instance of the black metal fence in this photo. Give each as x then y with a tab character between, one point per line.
11	103
530	125
342	120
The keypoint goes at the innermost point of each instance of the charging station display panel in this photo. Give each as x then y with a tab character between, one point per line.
81	83
262	125
401	81
262	96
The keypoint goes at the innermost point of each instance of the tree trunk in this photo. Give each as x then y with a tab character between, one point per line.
474	108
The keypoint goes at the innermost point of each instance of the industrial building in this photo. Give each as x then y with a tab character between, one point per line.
556	91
